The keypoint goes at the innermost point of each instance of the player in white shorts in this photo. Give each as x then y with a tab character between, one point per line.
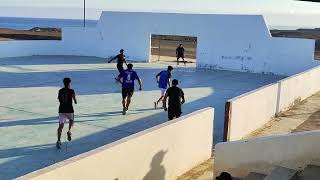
163	80
66	112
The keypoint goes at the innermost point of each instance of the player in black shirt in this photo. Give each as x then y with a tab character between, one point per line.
66	112
176	99
180	54
120	60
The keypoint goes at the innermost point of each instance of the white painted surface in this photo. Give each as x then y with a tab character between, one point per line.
252	110
260	155
162	152
228	42
298	87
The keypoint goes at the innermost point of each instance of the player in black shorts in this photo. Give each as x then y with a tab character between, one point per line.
176	99
120	60
66	112
180	54
127	78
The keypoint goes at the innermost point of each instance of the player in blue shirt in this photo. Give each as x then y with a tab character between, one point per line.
163	80
127	79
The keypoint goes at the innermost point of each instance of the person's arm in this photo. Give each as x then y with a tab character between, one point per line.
113	59
164	101
157	77
169	80
182	97
140	84
74	98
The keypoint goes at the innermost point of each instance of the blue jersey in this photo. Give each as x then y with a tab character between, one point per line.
128	77
164	79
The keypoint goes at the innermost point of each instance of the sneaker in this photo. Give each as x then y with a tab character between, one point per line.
58	144
155	105
69	135
124	111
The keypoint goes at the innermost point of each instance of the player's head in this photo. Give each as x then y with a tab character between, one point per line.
175	82
180	45
121	51
67	82
170	68
130	66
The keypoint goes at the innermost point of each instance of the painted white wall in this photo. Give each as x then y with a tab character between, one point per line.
228	42
298	87
160	153
260	155
252	110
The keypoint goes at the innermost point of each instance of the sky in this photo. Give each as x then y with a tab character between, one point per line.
276	12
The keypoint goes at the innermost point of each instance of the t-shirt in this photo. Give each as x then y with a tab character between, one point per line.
180	51
164	79
128	77
120	59
175	93
65	98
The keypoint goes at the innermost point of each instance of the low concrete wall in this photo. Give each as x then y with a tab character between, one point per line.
162	152
298	87
251	111
261	155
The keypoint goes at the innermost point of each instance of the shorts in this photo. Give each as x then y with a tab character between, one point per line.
127	92
180	56
174	112
120	68
63	117
163	91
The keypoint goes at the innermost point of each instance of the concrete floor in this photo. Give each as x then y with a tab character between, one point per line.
29	105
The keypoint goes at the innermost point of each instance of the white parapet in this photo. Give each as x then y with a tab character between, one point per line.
261	155
162	152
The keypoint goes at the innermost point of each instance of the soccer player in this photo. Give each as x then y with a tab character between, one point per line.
176	99
120	60
163	80
180	54
127	79
66	112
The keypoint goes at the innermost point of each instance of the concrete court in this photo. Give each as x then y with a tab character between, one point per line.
28	106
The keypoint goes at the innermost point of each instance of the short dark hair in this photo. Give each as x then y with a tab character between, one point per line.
130	66
170	68
175	82
121	50
66	81
224	176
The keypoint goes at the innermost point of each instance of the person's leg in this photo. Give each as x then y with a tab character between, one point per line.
130	94
178	60
183	60
170	113
120	69
178	112
124	99
71	122
59	131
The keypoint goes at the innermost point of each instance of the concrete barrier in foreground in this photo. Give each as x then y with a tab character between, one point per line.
260	155
162	152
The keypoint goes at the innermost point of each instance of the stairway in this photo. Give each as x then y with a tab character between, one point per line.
311	172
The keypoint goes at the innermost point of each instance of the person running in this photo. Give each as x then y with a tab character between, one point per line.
127	79
121	58
163	80
180	54
176	99
66	112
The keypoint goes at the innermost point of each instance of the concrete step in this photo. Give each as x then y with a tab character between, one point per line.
255	176
311	172
282	173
